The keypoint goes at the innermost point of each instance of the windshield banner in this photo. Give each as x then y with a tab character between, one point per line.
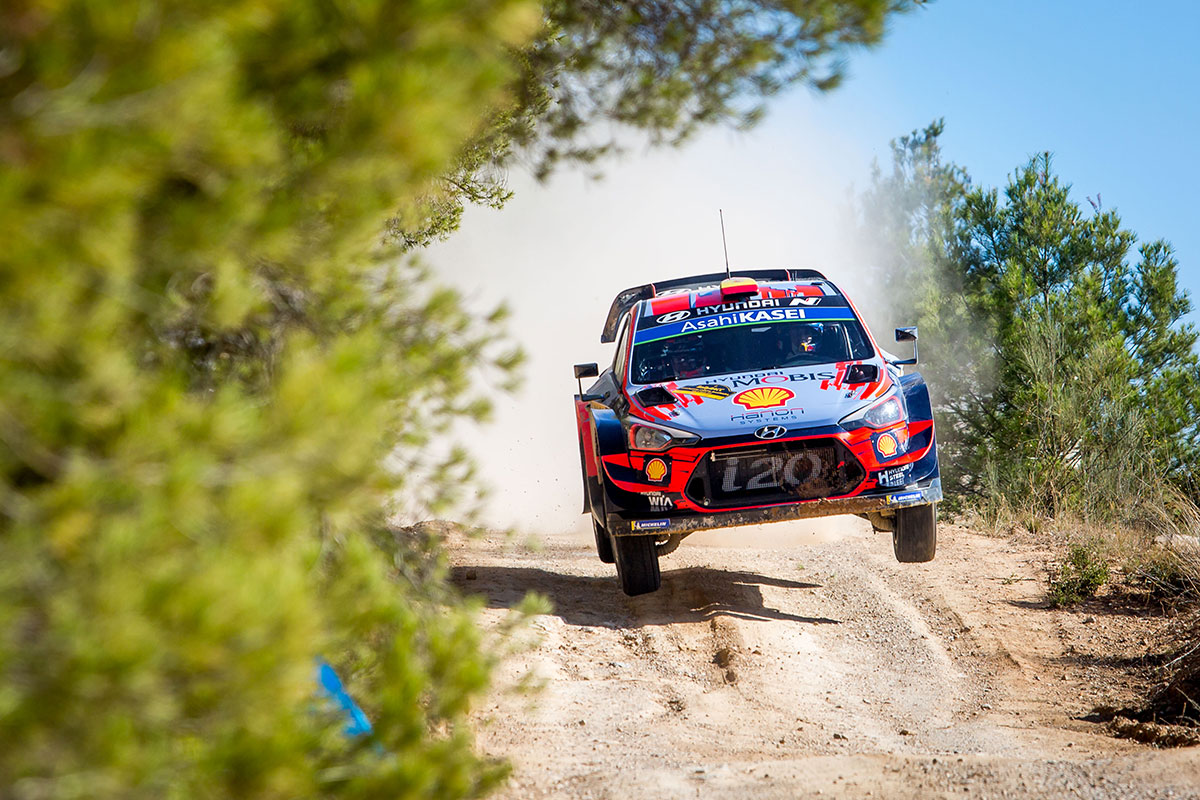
652	329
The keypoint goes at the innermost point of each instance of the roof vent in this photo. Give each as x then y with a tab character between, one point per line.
862	373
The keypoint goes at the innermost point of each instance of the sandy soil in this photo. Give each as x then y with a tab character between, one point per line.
801	660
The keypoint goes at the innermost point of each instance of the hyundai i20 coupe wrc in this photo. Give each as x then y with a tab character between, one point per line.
749	398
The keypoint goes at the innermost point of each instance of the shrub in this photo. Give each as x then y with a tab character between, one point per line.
206	364
1080	576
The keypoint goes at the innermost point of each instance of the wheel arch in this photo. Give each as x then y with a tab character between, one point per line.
600	434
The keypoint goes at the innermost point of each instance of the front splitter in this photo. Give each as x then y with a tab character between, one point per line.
918	495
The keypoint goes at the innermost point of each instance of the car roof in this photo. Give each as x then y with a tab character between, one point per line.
704	297
690	287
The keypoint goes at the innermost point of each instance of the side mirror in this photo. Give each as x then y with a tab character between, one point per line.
907	334
586	371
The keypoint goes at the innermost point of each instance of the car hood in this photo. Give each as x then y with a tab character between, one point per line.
732	405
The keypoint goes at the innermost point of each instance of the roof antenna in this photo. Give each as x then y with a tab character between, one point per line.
723	245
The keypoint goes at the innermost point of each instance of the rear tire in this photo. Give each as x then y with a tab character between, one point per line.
637	564
915	538
604	547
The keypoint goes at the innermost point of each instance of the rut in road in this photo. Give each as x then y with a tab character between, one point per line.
753	658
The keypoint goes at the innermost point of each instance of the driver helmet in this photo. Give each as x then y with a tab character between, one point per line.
806	337
685	359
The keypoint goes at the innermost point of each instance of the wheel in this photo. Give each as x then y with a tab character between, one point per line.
915	538
637	564
604	547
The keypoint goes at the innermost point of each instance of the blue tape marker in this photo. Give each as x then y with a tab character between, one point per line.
331	687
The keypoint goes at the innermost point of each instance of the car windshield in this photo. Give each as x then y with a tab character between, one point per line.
747	348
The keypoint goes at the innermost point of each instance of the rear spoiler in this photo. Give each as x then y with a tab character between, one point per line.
625	299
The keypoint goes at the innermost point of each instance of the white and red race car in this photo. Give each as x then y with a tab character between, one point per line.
736	400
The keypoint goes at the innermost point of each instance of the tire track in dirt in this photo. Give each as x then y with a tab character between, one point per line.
795	669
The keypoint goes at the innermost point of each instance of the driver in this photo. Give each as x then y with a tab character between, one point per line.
687	365
806	338
686	362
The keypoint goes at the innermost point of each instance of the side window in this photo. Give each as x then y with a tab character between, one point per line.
622	344
859	349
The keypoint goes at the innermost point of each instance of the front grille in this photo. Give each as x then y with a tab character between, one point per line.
775	473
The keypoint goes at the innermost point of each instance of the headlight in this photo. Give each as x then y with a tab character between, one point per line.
653	437
885	413
881	415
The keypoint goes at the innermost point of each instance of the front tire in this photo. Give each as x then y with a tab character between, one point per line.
915	538
604	547
637	564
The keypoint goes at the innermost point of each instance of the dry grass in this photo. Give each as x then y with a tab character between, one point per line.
1176	575
1175	700
1160	573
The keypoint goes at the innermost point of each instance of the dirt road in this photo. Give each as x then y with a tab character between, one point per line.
801	660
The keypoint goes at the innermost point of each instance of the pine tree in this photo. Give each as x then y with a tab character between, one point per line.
1065	377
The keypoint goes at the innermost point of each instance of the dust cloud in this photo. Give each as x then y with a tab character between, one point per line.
558	253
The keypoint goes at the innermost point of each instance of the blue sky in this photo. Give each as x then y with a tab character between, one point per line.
1109	88
1112	89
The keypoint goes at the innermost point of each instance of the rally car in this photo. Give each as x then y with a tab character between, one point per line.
749	398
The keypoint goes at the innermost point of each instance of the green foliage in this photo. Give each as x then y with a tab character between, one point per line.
672	66
218	382
598	71
1097	391
1066	380
908	220
1079	576
214	382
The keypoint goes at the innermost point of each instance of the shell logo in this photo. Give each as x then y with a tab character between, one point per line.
764	397
656	469
887	445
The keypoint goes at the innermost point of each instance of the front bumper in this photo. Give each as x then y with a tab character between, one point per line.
639	498
623	524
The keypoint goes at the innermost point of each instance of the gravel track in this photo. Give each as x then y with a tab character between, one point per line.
801	660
